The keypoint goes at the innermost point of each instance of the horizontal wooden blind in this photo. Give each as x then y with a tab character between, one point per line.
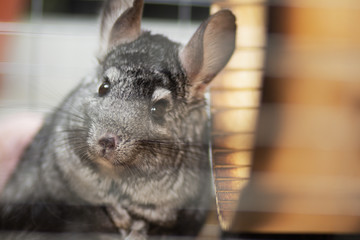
305	175
235	96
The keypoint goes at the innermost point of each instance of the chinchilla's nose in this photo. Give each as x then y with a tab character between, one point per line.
108	142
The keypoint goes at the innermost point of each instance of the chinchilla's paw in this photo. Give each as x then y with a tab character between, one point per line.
138	231
120	217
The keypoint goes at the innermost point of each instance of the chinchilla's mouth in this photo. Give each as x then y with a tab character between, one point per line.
114	158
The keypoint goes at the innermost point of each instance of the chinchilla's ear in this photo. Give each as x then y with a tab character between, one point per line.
120	23
208	51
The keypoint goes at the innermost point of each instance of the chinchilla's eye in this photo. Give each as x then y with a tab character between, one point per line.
159	109
104	87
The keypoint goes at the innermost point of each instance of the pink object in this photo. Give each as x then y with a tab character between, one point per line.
16	132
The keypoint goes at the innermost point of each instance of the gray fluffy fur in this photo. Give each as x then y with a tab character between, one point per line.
157	168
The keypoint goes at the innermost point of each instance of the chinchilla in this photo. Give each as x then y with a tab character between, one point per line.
128	146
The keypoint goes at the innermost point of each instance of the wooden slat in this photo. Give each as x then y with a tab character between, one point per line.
250	21
234	121
235	99
230	185
297	223
230	79
231	172
247	59
233	158
228	196
228	205
234	141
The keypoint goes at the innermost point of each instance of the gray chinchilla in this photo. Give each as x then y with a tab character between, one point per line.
132	137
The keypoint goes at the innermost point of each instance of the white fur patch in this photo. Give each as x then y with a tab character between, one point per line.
112	73
161	93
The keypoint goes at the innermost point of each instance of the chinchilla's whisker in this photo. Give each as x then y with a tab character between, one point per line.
72	141
83	154
72	131
172	146
74	115
167	142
